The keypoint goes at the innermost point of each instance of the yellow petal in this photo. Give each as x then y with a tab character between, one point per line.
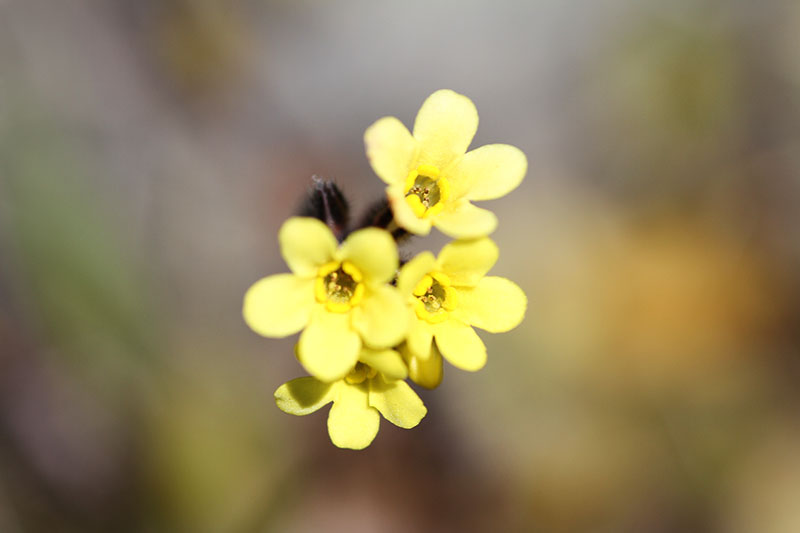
465	221
390	149
426	372
306	244
494	304
328	348
387	362
397	402
420	335
302	396
352	423
382	318
373	252
403	214
460	345
466	262
488	172
445	125
278	306
413	271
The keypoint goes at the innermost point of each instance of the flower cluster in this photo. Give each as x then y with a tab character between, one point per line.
368	323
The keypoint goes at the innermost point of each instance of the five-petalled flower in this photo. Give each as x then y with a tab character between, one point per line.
374	387
430	175
448	296
337	294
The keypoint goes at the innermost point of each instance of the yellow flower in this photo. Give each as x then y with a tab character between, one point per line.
430	175
339	294
449	295
372	388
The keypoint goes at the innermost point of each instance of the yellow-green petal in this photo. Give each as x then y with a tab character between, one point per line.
373	252
494	304
425	372
397	402
382	318
465	221
403	214
488	172
420	336
460	345
387	362
303	396
390	149
466	262
306	244
444	127
352	423
328	348
279	305
413	271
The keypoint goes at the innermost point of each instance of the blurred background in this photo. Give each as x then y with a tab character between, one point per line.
150	150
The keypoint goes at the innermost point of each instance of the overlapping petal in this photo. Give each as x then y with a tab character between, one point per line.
328	348
390	149
397	402
426	372
444	127
306	243
413	271
460	345
279	305
465	221
466	262
382	318
373	252
387	362
419	338
305	395
488	172
494	304
352	423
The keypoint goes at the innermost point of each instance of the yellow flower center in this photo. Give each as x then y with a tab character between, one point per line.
434	298
360	373
339	286
426	191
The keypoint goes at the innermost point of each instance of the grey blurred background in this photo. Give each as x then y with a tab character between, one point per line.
150	150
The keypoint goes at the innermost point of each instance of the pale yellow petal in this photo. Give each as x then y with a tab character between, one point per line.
466	262
390	149
460	345
328	348
302	396
397	402
387	362
403	214
382	318
373	252
352	423
306	244
426	372
445	125
494	304
413	271
488	172
278	306
420	336
465	221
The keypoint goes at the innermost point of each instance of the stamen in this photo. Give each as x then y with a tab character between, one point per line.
339	286
434	297
360	373
426	191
